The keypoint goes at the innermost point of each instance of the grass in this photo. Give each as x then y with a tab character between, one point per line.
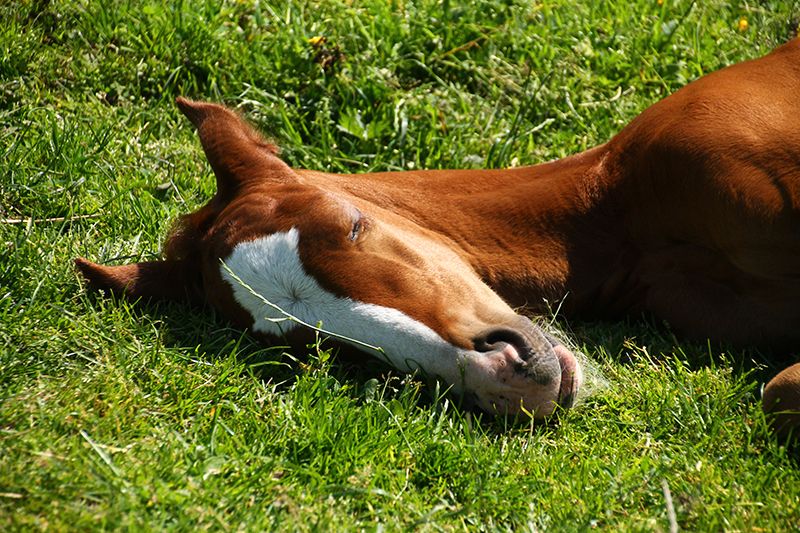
151	417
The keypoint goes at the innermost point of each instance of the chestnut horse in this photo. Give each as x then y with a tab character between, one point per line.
690	213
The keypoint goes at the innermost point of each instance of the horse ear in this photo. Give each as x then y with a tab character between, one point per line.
158	280
236	152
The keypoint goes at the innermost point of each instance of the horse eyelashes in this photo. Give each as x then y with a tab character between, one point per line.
355	231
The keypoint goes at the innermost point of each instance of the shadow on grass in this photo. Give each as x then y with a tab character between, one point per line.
625	341
200	334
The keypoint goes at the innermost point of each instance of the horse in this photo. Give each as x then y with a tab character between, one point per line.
691	213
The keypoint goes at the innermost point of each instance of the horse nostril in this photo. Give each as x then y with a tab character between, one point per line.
489	340
538	362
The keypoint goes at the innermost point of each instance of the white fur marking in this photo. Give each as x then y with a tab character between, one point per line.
271	266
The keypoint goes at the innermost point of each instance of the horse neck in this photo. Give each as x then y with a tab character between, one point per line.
525	230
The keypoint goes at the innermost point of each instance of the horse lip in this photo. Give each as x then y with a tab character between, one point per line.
570	376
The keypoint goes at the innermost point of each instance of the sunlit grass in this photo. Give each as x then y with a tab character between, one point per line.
122	416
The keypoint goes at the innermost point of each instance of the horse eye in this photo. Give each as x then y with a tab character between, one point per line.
356	230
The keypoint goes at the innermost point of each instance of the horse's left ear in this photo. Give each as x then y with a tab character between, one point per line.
157	280
236	151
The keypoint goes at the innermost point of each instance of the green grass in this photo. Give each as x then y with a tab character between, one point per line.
151	417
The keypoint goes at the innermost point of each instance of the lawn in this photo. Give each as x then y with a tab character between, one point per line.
150	417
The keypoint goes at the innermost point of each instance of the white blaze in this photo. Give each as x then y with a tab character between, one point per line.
271	266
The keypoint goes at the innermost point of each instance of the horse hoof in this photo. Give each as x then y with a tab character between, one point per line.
781	401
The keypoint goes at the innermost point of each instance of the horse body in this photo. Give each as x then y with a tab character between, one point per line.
692	213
